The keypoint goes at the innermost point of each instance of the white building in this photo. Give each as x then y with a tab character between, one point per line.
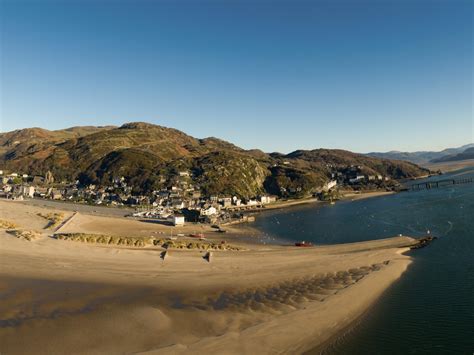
252	202
357	178
208	211
329	185
177	220
28	191
226	201
267	199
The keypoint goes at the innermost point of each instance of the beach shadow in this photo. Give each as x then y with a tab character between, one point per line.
207	256
164	255
155	221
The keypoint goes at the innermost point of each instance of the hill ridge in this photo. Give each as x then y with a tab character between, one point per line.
151	156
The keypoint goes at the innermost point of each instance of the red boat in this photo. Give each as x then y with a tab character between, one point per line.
303	244
197	235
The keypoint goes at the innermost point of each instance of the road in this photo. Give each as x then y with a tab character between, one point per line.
86	209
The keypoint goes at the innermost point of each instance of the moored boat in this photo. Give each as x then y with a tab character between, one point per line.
303	244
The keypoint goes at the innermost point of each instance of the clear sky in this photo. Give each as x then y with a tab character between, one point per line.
277	75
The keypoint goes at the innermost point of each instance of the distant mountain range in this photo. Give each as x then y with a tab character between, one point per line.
422	157
466	154
150	157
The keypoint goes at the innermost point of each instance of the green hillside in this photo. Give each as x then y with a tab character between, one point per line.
150	157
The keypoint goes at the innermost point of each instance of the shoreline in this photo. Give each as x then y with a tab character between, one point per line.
267	298
121	211
352	324
348	195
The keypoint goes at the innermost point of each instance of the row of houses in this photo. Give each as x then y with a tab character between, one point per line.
354	175
167	203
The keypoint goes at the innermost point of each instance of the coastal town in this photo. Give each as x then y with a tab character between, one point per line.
179	200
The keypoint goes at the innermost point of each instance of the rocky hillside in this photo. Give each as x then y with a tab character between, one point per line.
467	154
151	157
30	142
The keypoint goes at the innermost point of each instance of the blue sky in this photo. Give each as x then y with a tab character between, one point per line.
277	75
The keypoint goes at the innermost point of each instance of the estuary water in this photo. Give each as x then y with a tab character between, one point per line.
430	309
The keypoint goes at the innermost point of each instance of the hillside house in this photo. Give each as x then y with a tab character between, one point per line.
27	191
356	179
177	203
265	199
209	211
329	185
56	194
236	201
226	201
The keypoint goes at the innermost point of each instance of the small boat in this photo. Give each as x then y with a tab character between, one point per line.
303	244
197	235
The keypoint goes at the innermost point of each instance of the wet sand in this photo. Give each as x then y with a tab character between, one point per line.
72	297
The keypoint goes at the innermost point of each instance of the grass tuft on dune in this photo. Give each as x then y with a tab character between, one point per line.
24	234
142	241
54	219
7	224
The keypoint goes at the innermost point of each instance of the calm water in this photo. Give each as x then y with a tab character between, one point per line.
430	310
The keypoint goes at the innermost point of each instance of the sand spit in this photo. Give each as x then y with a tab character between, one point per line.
83	298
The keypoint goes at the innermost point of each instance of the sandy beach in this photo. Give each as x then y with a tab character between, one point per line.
72	297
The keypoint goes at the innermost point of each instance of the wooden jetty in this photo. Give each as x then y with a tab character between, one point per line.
427	185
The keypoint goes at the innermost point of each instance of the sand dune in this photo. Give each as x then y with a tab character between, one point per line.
66	297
